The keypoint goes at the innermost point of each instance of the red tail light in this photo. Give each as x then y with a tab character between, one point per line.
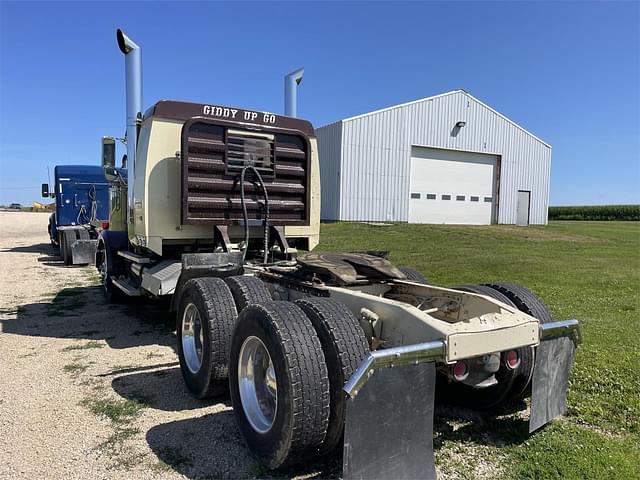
105	225
460	371
512	359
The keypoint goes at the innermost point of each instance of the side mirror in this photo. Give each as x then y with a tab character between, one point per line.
109	158
108	152
45	190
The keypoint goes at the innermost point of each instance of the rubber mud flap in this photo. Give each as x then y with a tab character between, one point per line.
554	358
84	251
389	425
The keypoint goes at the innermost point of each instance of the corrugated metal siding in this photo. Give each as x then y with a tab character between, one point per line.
376	152
329	152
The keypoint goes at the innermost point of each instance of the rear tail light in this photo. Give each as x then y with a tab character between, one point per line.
460	371
105	225
512	359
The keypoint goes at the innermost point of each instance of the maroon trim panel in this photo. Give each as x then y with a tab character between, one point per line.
185	111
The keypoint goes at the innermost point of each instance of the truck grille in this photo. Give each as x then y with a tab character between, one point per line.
246	149
213	156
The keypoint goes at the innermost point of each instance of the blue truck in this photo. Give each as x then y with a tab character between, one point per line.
81	195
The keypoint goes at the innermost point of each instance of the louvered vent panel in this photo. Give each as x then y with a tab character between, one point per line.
213	156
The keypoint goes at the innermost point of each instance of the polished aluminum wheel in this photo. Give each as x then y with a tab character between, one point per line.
257	384
192	338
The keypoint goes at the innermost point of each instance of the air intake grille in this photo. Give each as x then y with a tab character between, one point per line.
246	149
213	156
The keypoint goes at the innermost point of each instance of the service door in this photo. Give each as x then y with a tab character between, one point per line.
522	210
449	186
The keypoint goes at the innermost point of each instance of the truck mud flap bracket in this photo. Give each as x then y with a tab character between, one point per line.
554	358
389	420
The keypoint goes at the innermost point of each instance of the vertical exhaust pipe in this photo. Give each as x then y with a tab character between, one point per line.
291	81
133	73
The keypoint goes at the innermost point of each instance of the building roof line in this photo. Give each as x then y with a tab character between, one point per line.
406	104
421	100
507	119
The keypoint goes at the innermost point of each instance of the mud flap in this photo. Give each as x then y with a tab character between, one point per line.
554	358
389	425
83	252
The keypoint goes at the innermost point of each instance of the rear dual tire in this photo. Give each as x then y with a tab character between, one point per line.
204	324
528	302
413	275
345	347
279	383
512	384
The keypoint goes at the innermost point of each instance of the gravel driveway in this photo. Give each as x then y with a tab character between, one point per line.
92	390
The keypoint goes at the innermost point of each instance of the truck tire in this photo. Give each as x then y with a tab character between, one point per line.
112	294
529	303
50	230
279	383
204	324
247	290
500	393
67	238
413	275
345	347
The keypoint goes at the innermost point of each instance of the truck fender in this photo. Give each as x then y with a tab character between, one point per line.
53	229
110	241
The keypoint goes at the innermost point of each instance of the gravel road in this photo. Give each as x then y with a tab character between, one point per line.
92	390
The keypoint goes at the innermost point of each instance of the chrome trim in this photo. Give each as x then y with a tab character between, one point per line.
291	81
561	328
391	357
133	85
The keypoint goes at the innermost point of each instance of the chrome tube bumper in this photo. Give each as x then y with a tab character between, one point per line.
561	328
436	350
391	357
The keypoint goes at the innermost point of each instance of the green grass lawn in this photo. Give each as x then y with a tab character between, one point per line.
584	270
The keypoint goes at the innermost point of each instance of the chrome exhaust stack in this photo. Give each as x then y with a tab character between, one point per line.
133	83
291	82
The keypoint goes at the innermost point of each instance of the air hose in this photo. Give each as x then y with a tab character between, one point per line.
245	215
94	205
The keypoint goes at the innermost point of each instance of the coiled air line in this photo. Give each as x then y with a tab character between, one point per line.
265	257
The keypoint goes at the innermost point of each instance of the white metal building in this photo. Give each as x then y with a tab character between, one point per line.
443	159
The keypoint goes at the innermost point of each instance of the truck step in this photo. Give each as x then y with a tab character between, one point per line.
134	257
126	287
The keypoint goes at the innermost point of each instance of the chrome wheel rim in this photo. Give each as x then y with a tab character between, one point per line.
103	270
257	384
192	338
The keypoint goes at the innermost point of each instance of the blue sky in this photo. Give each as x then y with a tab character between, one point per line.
566	71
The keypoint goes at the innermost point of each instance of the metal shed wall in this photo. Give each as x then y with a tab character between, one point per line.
329	151
376	152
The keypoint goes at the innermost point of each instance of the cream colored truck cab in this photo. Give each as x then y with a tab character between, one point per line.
188	159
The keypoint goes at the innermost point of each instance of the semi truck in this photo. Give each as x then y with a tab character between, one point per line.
322	353
81	194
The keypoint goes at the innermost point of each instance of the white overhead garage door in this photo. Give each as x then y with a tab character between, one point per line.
449	186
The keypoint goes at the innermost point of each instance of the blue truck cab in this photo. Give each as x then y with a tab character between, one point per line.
81	195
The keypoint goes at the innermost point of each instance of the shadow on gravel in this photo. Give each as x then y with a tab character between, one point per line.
81	312
161	389
180	444
212	447
52	255
202	447
44	248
